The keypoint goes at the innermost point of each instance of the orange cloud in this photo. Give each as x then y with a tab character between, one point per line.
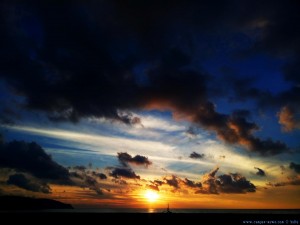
288	119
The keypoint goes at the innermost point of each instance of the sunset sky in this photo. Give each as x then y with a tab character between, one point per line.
137	104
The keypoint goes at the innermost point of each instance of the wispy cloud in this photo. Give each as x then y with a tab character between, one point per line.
111	144
156	123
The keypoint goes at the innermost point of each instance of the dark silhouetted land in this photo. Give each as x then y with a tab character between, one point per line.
26	203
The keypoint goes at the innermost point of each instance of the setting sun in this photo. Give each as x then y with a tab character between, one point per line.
151	196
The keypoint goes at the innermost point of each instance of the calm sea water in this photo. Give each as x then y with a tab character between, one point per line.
177	210
155	216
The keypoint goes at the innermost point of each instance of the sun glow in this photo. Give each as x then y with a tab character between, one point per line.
151	196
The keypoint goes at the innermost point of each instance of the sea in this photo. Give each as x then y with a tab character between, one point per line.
177	210
158	216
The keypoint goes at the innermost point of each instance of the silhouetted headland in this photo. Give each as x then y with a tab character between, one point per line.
26	203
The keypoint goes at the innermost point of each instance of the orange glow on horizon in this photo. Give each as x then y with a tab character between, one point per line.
147	198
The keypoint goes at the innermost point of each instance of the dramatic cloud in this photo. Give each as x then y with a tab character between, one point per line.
224	69
87	179
196	155
208	183
153	187
31	157
232	128
295	167
192	184
290	181
235	129
60	53
173	182
102	176
23	182
129	119
260	172
234	183
158	182
226	183
289	118
118	181
155	184
125	158
93	184
124	173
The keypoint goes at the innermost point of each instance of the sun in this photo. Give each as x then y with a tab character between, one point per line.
151	196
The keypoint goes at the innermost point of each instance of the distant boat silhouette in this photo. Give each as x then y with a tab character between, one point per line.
168	210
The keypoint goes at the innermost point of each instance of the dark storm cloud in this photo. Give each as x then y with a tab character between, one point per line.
124	173
90	181
102	176
241	131
173	182
208	183
196	155
92	184
236	129
79	60
82	178
295	167
226	183
192	184
64	62
260	172
22	181
279	36
280	33
125	158
285	102
31	157
234	183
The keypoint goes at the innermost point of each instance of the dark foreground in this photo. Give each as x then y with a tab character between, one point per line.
148	218
46	211
18	203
